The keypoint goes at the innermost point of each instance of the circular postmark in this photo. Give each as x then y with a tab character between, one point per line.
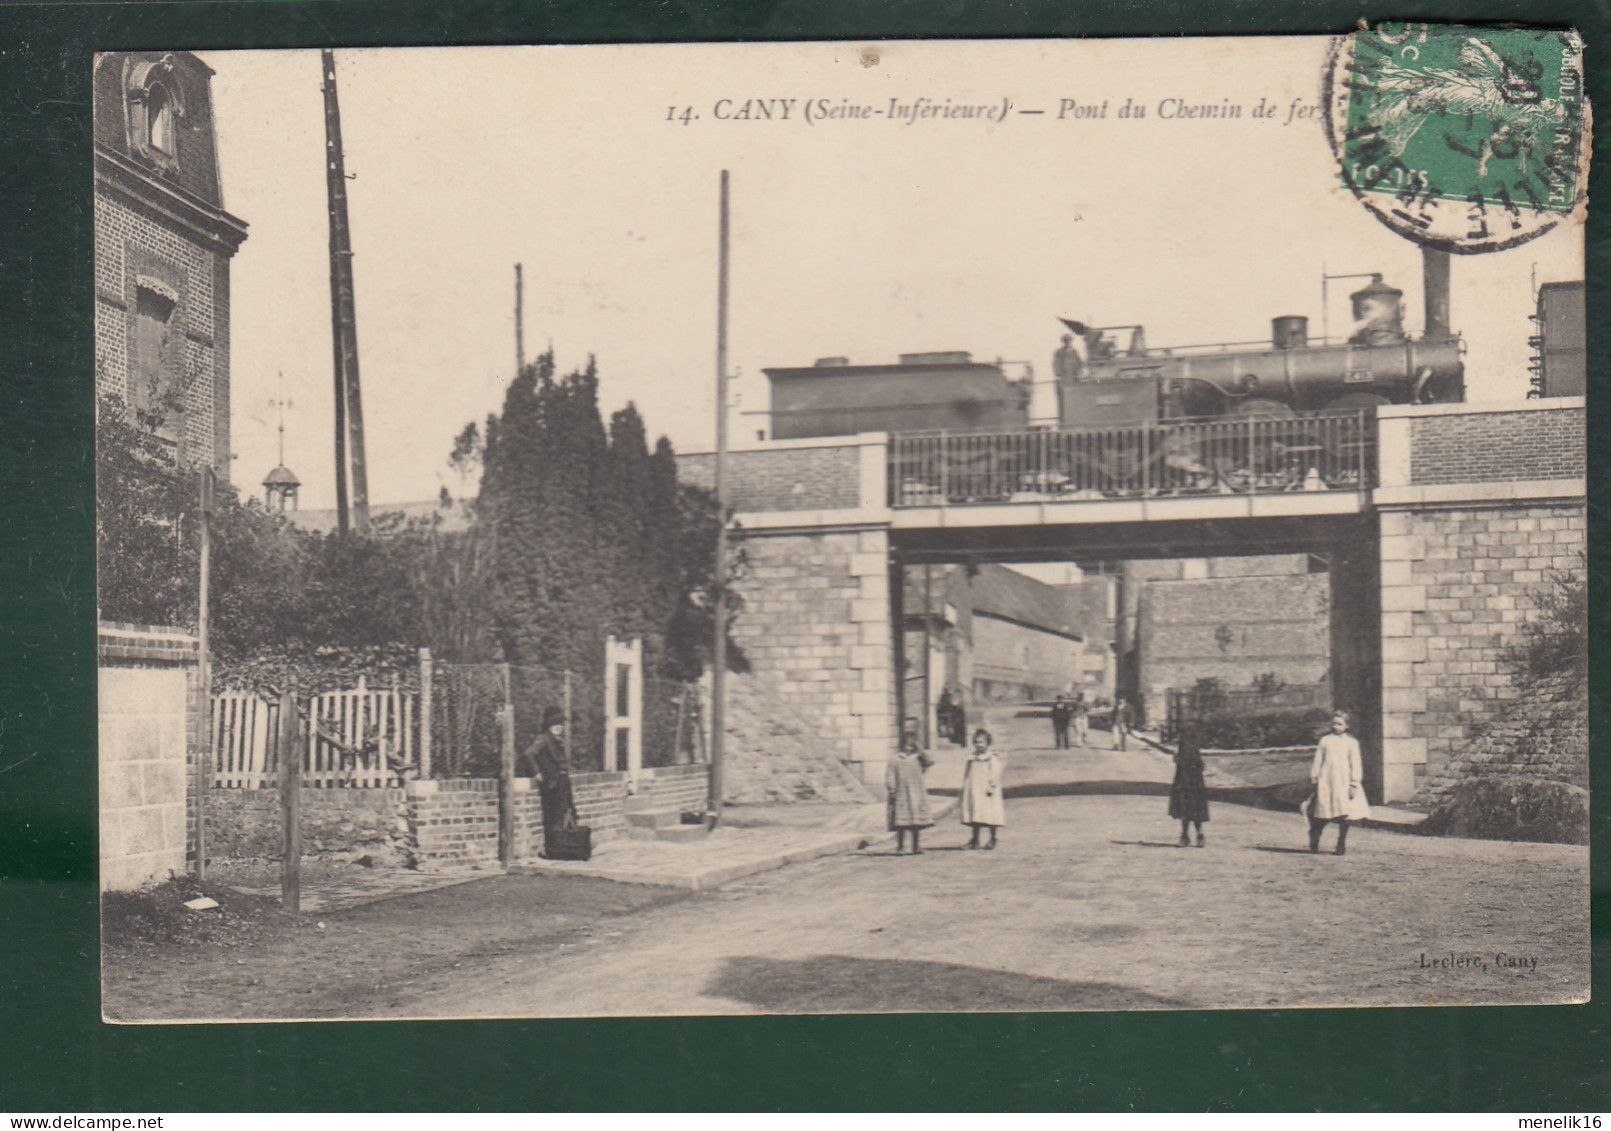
1468	139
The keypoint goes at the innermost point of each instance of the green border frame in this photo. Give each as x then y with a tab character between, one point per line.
58	1056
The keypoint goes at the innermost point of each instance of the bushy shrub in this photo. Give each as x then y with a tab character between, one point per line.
1253	730
1494	808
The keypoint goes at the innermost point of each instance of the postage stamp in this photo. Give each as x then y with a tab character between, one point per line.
1466	138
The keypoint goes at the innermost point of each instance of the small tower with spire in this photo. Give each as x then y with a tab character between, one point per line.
280	485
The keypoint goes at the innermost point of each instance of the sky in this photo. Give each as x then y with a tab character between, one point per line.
863	237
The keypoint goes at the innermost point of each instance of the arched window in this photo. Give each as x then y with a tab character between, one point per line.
155	106
160	116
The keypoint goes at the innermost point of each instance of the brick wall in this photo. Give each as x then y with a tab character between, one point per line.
131	241
1233	629
1457	584
782	479
149	723
1487	446
816	631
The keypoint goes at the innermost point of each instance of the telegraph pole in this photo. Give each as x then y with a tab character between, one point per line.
343	315
718	677
520	322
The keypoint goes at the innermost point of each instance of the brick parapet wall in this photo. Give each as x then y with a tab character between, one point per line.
1457	584
437	822
815	629
785	478
1439	447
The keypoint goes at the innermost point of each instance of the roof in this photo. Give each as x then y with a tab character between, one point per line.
456	517
281	476
1009	595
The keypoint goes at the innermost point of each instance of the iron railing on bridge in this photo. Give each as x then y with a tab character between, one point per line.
1323	451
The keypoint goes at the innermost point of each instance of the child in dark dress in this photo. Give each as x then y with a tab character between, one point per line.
1188	796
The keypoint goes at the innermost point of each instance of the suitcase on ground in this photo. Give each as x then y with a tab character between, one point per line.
568	844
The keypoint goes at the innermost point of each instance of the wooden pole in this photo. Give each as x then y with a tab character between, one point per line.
568	728
288	742
204	756
506	786
427	678
520	322
928	654
344	318
718	678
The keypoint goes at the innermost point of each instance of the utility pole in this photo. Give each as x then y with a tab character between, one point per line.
204	660
343	315
718	677
520	323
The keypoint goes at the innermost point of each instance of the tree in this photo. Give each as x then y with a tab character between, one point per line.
591	534
1555	641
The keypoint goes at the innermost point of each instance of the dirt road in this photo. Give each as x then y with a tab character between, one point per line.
1086	905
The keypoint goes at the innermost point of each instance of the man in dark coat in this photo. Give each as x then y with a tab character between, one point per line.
1062	715
545	760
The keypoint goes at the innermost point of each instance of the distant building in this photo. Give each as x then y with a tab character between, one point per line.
1231	619
1560	367
163	243
385	517
993	633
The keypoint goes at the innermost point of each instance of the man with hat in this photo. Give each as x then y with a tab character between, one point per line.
545	760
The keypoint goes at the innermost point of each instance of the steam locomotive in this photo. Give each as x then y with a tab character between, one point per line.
1141	419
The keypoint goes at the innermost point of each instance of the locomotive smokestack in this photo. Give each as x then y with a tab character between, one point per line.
1435	285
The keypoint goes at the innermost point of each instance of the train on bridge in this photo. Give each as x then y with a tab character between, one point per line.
1287	414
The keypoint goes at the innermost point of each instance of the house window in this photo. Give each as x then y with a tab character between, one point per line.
155	388
159	113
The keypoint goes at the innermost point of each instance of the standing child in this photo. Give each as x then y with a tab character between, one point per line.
1338	777
908	795
1188	796
982	803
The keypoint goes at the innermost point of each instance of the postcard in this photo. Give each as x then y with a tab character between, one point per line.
842	527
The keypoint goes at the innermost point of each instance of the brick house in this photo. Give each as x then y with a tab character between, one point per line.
163	243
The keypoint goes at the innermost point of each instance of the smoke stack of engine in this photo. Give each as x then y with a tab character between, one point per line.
1290	332
1435	286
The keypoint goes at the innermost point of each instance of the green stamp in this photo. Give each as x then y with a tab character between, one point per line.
1465	138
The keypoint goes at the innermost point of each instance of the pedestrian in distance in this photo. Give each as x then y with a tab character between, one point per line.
1062	715
983	806
1082	719
1121	724
1188	796
1339	789
959	719
908	795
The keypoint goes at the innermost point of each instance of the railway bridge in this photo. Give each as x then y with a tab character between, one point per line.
1441	525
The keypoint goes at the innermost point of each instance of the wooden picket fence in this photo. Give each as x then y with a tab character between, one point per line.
359	739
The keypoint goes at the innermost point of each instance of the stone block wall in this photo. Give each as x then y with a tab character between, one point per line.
1479	506
244	824
1457	584
150	725
816	631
